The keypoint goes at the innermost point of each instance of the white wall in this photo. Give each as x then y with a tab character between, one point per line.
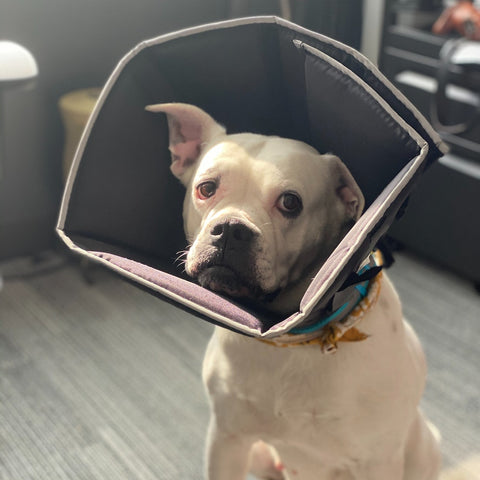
372	28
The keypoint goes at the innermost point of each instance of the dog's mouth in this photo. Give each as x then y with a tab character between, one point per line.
224	279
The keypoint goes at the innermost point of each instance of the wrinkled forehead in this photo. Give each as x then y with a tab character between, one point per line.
262	158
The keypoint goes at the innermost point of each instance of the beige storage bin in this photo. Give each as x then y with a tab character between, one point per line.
75	108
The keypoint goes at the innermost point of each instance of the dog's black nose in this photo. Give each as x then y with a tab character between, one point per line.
233	233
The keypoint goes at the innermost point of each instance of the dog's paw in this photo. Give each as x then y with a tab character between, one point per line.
265	464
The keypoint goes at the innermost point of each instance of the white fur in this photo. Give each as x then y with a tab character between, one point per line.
351	415
295	413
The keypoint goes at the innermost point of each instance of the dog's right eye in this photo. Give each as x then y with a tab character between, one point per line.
206	190
290	204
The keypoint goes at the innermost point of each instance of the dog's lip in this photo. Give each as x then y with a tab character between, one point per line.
224	279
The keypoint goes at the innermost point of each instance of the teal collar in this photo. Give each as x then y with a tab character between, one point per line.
354	290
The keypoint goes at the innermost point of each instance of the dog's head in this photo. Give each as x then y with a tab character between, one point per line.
261	213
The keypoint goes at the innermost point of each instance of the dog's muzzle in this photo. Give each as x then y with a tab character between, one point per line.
226	264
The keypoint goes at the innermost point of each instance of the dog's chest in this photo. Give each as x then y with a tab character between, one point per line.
278	391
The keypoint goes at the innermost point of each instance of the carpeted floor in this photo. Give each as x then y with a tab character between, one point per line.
102	381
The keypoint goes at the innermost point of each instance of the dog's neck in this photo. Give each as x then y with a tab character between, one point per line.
288	300
340	325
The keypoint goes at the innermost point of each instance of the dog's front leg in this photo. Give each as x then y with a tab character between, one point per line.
382	468
227	455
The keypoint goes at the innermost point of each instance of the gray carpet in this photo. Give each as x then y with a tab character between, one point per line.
102	381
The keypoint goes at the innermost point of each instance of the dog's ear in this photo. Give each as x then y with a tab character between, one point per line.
189	128
347	190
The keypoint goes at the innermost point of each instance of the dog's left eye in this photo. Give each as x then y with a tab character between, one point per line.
206	190
290	204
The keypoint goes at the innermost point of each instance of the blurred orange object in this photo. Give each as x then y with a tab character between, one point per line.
462	17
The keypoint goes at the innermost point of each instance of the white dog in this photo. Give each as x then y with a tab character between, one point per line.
262	214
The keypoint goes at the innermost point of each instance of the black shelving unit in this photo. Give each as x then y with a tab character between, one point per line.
442	219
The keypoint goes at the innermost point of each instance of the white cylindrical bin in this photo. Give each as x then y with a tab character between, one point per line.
16	63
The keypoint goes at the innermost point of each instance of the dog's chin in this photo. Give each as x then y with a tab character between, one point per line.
222	279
